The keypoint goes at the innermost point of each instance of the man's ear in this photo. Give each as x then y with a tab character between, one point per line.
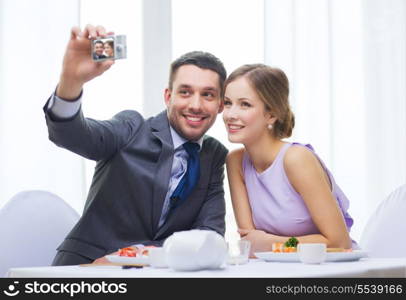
167	96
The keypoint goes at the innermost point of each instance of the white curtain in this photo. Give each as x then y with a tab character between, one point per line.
346	63
33	36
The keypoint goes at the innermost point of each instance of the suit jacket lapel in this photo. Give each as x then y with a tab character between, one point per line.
160	129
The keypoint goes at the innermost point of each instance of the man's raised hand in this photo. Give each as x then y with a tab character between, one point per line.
78	65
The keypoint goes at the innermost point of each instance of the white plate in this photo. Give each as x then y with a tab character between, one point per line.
346	256
294	257
143	260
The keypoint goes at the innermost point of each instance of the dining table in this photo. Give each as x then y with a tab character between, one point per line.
255	268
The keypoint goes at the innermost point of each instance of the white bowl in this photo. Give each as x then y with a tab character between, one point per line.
312	253
157	257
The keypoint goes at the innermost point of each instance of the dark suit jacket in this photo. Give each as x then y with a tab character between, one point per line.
134	160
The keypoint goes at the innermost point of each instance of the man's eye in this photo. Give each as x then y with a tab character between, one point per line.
208	94
184	92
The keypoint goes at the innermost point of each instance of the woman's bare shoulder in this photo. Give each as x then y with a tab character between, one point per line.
235	156
298	155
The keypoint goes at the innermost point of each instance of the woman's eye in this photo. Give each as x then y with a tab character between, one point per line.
227	103
245	104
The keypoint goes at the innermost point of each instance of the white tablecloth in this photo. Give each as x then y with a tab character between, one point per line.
389	267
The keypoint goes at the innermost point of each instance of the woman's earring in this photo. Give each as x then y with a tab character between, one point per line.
270	126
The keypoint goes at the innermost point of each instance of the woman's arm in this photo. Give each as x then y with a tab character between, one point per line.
310	180
238	191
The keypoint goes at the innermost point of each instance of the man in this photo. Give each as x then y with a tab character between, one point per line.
98	50
153	177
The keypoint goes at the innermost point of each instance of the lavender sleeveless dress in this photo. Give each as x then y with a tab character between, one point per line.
276	207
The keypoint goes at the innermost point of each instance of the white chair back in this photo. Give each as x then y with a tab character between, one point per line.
32	225
385	232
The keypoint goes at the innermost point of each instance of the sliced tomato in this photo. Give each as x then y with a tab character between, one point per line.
128	251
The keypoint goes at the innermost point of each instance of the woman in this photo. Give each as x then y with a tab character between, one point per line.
278	189
109	48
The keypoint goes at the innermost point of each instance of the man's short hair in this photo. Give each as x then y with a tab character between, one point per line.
203	60
98	42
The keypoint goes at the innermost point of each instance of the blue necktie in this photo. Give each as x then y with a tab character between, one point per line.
191	177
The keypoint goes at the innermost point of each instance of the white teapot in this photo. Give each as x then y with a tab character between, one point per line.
195	250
